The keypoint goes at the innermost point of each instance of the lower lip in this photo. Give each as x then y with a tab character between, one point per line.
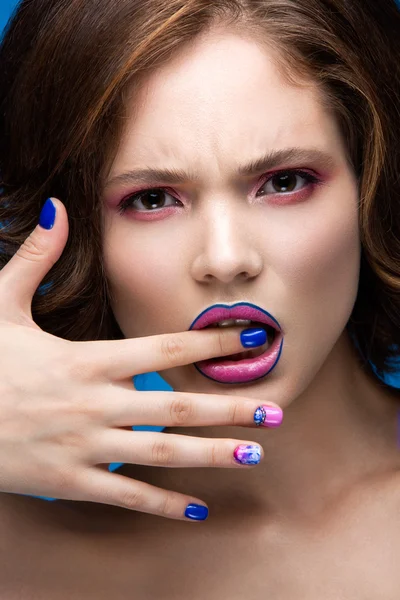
242	371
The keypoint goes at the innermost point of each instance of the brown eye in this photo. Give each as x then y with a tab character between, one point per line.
153	199
287	182
284	182
148	200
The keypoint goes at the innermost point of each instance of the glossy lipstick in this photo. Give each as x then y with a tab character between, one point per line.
240	371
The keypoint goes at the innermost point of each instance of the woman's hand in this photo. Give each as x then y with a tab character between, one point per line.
64	406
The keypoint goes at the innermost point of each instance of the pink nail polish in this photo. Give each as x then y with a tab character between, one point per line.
268	416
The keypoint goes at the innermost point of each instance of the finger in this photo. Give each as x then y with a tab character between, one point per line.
118	490
170	450
179	409
22	275
124	358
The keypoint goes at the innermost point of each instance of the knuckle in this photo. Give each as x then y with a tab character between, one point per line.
223	345
88	410
173	348
235	413
162	453
71	439
214	455
167	504
132	498
181	410
81	412
64	480
32	249
78	367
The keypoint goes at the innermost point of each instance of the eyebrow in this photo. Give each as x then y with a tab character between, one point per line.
254	167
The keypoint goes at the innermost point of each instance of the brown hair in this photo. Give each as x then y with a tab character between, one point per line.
65	68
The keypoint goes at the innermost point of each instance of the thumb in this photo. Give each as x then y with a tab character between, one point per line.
24	272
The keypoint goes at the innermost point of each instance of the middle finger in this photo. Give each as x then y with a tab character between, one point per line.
181	409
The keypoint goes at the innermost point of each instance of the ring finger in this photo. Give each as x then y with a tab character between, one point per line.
171	450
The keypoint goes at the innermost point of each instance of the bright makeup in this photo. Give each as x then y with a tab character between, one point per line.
242	370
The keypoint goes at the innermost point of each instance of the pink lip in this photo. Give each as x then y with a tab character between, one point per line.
242	371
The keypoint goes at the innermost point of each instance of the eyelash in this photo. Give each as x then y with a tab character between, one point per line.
127	202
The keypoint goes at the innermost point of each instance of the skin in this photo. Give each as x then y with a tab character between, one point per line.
323	503
296	254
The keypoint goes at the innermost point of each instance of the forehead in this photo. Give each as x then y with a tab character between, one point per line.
224	96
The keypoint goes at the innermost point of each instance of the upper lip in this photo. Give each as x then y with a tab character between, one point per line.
241	310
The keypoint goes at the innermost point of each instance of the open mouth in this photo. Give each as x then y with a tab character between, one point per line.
251	363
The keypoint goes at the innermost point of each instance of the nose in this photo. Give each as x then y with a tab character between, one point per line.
227	249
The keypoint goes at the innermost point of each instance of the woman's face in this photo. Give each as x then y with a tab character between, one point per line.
288	243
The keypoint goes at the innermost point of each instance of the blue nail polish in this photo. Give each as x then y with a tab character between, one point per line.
196	512
47	215
251	338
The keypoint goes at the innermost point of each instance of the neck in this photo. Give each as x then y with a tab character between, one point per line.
339	431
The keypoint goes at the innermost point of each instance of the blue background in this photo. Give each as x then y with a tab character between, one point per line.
149	381
6	8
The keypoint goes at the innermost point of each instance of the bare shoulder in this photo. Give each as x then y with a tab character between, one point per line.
369	517
390	491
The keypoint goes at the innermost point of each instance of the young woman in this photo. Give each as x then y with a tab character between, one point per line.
230	166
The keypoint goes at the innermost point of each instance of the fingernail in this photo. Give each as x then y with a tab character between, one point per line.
48	215
247	454
251	338
268	416
197	512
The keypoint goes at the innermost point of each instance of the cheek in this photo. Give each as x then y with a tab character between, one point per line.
318	268
142	277
322	252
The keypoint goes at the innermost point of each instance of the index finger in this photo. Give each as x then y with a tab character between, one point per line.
120	359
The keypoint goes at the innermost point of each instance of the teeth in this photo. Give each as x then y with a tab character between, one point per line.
230	322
